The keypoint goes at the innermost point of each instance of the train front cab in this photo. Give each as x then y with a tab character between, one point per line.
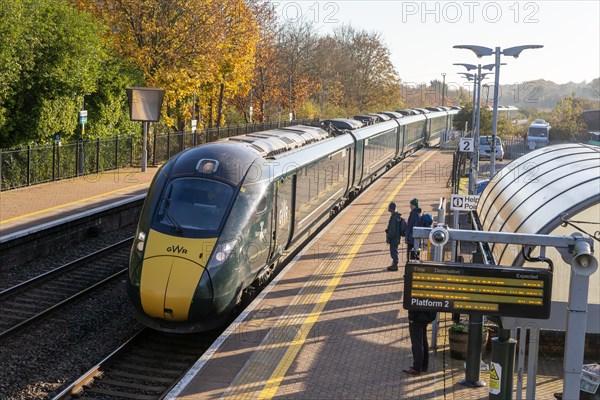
187	267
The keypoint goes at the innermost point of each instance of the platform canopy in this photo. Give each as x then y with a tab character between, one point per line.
531	194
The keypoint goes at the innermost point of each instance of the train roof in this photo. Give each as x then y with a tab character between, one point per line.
530	194
381	116
391	114
276	141
293	161
344	123
407	112
366	118
230	161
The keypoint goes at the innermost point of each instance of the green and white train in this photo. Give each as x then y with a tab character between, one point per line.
218	217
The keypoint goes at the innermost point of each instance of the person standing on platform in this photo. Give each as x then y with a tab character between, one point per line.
417	328
392	235
414	219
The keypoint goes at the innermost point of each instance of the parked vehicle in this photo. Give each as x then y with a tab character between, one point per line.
538	134
485	148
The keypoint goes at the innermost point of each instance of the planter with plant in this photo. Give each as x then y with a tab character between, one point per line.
458	336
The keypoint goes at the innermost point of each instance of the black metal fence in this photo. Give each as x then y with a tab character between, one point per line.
38	164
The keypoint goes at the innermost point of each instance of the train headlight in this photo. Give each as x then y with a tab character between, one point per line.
222	252
140	241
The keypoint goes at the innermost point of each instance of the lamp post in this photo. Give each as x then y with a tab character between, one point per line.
487	95
481	51
478	77
443	87
471	77
472	170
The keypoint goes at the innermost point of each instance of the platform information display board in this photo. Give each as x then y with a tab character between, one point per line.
476	288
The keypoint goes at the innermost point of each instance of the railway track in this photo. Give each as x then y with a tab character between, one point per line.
27	302
146	367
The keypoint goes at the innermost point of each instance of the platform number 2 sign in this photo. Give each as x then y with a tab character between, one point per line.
466	145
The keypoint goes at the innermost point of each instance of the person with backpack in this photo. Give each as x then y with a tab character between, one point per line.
414	219
393	233
417	329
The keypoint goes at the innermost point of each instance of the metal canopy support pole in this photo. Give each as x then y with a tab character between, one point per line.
478	79
438	255
534	340
472	164
522	343
454	244
495	117
575	334
145	146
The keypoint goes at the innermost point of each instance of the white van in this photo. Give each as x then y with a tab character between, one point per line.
485	148
538	134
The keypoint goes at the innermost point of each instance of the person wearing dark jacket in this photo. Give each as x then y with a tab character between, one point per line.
417	328
413	220
392	235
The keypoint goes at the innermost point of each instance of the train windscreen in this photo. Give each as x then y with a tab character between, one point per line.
194	204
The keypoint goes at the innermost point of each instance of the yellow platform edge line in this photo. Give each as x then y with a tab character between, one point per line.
70	203
276	378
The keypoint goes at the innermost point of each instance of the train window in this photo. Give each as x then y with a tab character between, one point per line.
194	204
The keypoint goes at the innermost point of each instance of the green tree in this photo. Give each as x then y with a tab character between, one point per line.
58	60
465	116
566	120
12	41
108	111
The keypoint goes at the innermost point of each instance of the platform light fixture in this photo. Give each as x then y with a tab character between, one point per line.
481	51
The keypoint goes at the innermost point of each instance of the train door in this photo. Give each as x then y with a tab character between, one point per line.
358	161
402	140
283	214
261	233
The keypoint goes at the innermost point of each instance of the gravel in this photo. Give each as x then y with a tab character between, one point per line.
41	360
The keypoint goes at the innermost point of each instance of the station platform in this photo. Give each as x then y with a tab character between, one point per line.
34	205
332	326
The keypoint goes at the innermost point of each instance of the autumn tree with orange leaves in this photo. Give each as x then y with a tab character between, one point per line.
199	51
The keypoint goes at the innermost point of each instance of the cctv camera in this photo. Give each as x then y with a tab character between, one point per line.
583	262
438	236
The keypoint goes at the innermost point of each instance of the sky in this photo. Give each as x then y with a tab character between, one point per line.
421	35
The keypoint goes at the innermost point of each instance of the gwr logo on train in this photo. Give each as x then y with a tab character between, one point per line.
177	249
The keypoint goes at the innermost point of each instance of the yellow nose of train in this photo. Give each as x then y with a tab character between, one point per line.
172	269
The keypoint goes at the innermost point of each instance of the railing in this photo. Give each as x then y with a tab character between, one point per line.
38	164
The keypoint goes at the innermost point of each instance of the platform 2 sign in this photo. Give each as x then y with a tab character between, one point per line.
476	288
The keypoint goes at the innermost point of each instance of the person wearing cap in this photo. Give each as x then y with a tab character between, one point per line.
413	219
392	235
